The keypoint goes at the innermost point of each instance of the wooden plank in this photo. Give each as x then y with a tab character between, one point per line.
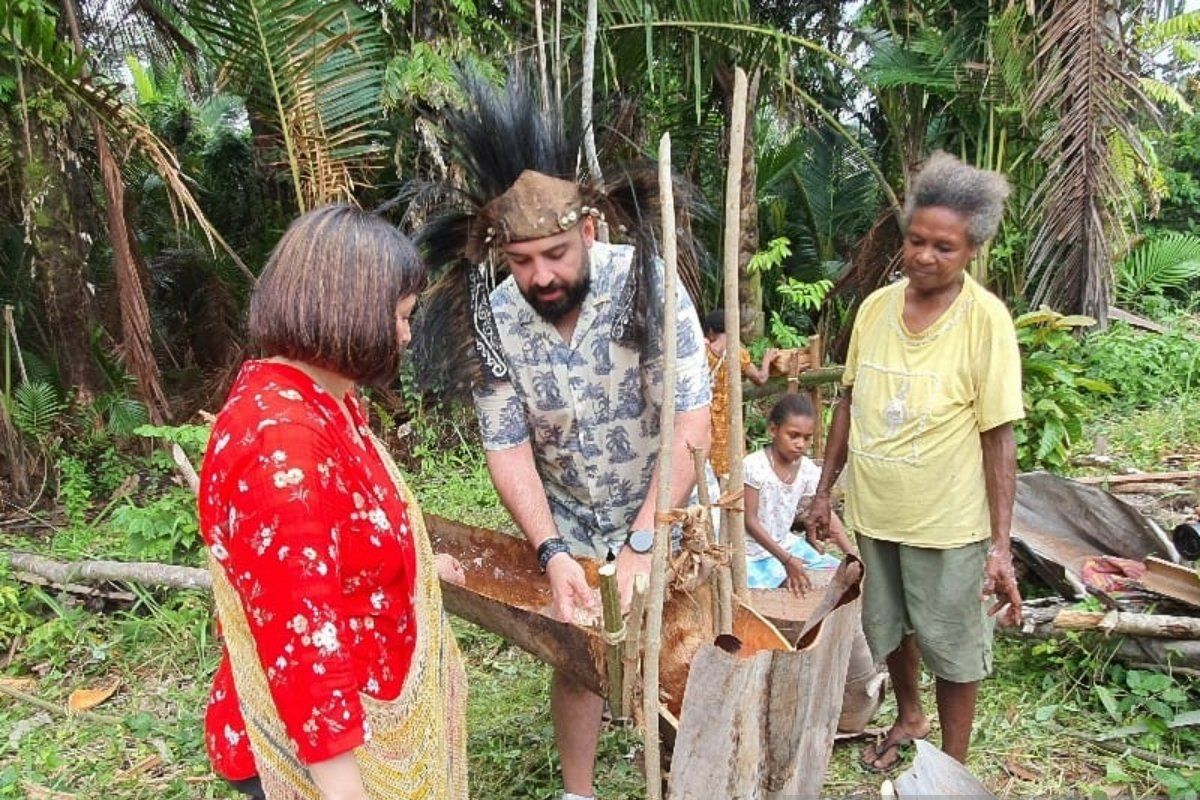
1172	580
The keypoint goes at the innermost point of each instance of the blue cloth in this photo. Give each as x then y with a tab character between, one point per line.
769	573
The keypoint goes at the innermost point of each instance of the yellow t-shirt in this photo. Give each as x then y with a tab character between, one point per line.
915	466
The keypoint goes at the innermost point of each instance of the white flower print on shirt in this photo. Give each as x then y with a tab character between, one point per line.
291	477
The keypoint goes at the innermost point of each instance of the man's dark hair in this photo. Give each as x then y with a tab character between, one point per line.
788	406
714	322
329	293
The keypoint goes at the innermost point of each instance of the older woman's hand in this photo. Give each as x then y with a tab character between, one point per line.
449	569
1000	581
819	514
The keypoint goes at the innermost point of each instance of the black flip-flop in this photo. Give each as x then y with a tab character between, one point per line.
899	745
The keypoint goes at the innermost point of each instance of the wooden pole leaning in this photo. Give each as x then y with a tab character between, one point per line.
722	594
733	520
662	526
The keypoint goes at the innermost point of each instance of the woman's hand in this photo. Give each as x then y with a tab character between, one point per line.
449	569
1000	580
818	517
797	578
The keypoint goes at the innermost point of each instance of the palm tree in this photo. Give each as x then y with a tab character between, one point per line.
311	73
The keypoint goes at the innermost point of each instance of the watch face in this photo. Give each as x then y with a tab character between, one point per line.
641	541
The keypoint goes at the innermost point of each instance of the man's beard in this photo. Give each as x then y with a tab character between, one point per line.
572	295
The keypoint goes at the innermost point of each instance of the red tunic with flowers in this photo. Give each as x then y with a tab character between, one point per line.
302	515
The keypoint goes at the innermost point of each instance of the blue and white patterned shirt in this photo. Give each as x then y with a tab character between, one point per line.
590	407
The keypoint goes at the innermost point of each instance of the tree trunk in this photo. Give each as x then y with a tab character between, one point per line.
136	350
54	207
750	295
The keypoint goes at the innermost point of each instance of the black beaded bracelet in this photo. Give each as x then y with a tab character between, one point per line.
549	548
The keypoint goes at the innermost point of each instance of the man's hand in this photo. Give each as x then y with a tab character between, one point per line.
797	578
818	517
449	570
630	564
569	586
1000	581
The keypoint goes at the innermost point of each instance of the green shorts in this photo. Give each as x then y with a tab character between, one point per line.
933	594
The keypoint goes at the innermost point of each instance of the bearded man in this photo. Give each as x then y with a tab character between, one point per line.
567	357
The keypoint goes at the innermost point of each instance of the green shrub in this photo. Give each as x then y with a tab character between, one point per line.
1056	392
164	529
1146	368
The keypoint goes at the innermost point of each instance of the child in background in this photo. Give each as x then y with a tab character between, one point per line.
714	336
778	478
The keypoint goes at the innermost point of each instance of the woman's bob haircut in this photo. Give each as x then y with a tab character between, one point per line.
329	293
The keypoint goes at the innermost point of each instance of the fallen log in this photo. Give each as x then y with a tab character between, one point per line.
1128	623
145	573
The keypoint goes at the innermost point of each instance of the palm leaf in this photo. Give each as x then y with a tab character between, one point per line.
1170	261
36	407
314	70
1087	90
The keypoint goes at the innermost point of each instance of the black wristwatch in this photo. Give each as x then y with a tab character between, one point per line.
640	541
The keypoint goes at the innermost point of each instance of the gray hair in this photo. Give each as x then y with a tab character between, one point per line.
977	194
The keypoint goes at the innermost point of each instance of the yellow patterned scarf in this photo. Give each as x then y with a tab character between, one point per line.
417	749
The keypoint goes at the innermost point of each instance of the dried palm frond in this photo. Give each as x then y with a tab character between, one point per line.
1090	89
313	71
35	41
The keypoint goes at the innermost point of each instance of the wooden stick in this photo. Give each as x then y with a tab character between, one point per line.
733	521
637	612
46	705
722	604
699	466
1141	477
1159	626
725	598
662	532
814	395
610	596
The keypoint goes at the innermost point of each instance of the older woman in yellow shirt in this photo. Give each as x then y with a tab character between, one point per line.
932	387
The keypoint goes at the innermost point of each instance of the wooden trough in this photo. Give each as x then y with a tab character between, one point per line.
507	594
752	715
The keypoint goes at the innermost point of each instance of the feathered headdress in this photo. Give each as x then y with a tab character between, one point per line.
521	178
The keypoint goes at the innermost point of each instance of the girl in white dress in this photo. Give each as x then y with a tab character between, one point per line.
778	478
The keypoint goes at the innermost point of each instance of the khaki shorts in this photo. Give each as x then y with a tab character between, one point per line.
933	594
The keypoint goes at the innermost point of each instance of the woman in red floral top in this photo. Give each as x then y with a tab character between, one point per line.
301	515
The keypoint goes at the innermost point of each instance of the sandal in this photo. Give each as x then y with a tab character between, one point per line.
873	753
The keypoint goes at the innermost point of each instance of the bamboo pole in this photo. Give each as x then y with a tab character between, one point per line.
733	521
541	54
662	528
610	597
